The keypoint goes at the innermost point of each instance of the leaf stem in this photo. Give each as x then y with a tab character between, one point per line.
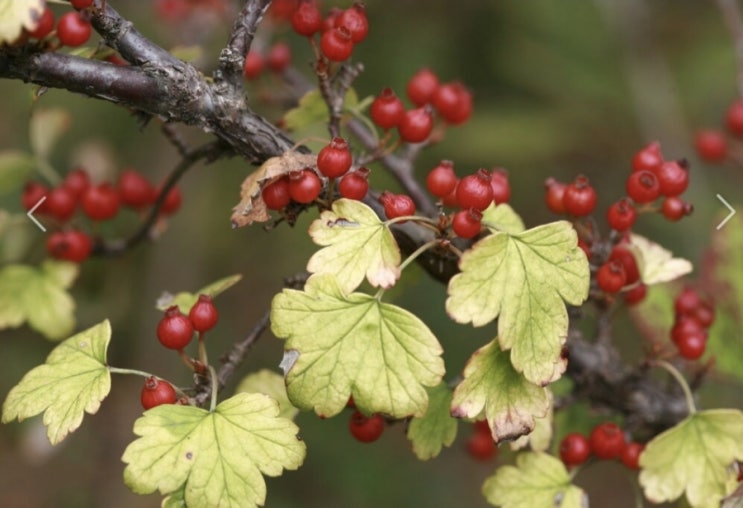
417	252
215	387
681	381
131	372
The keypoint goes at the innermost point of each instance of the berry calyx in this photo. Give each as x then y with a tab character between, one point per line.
203	314
387	110
276	194
442	180
44	25
354	19
174	329
480	446
421	87
156	392
553	198
734	118
101	202
621	215
355	185
467	223
396	205
611	277
711	145
607	440
366	429
579	198
416	125
335	159
73	30
673	178
135	190
453	102
648	158
254	64
279	57
501	187
574	449
630	455
475	191
674	208
304	186
61	203
643	187
336	44
307	19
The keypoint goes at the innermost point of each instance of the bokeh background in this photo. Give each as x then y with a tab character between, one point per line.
560	88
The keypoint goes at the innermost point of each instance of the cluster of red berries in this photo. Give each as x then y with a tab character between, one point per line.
365	429
97	202
175	330
480	444
694	316
712	144
340	30
73	28
606	442
277	59
620	272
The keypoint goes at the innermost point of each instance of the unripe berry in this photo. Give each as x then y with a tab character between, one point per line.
579	198
336	44
442	180
387	110
156	392
416	125
203	314
364	428
354	19
101	202
73	30
607	440
711	145
574	449
467	223
355	185
276	194
307	19
335	159
422	86
174	329
475	191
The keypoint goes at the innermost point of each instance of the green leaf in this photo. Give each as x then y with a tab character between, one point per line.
175	500
435	429
537	480
272	384
502	218
655	263
523	279
15	15
312	109
37	296
185	300
215	458
45	129
15	167
357	245
510	402
340	345
694	458
73	381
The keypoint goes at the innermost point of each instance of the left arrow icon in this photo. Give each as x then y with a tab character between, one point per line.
32	210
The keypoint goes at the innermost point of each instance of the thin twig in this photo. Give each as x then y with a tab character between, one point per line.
232	58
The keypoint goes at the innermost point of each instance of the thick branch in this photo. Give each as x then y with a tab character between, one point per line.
232	58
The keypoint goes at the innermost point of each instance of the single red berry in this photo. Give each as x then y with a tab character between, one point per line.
396	205
705	314
335	159
276	194
254	64
329	22
648	159
73	30
621	215
636	294
607	440
156	392
355	185
416	125
77	181
366	428
61	203
279	57
624	256
101	202
611	277
684	326
574	449
32	194
450	199
673	178
555	192
630	455
172	201
467	223
481	446
203	314
579	198
283	9
734	118
44	25
336	44
422	86
711	145
643	186
304	186
56	245
81	4
387	110
687	302
174	329
475	190
482	427
442	180
501	187
675	208
453	102
354	19
135	190
691	346
307	19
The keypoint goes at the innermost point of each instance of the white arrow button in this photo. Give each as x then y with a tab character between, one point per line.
32	210
730	215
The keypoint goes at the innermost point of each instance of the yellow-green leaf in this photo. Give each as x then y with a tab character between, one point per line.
313	109
73	381
539	439
15	15
694	458
435	429
185	300
655	263
272	384
523	280
502	218
341	345
537	480
15	168
357	245
45	129
511	403
37	296
212	458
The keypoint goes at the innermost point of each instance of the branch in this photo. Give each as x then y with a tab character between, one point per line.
232	58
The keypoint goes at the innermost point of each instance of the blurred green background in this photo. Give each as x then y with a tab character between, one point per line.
560	88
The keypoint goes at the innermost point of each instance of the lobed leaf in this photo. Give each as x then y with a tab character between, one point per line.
272	384
502	218
436	428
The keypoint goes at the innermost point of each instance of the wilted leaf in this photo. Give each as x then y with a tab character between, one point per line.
251	207
272	384
45	129
655	263
357	245
15	15
435	429
312	109
15	167
502	218
73	381
538	440
354	345
185	300
523	280
212	458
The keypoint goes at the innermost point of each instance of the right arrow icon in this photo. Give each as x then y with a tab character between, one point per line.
729	216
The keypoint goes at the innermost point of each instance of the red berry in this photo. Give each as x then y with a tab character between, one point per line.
387	110
501	187
684	326
481	446
450	199
467	223
304	186
354	19
174	329
32	194
574	449
101	202
624	256
173	10
734	118
366	428
554	195
77	181
585	247
61	203
172	201
203	314
73	246
611	277
135	190
705	315
416	125
253	65
630	455
475	190
636	294
329	22
482	427
579	198
81	4
44	25
643	186
607	440
336	44
355	185
307	19
156	392
674	208
276	194
453	102
621	215
335	159
422	86
648	159
283	9
73	30
396	205
711	145
279	57
442	180
687	302
673	178
691	346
